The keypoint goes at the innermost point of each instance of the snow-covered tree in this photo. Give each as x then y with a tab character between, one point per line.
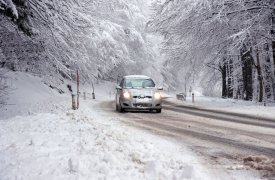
224	35
9	7
103	39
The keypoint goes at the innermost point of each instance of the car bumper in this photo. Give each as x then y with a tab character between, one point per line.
136	104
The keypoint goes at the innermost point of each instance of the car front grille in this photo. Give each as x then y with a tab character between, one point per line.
142	105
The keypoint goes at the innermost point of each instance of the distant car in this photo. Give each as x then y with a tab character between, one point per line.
138	92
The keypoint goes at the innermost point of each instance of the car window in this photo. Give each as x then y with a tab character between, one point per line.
139	83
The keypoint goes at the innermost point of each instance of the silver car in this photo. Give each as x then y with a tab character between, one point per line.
138	92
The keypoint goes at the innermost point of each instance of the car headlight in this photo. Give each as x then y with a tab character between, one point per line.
126	95
157	95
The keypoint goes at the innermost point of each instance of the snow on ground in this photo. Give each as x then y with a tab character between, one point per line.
28	95
42	138
229	105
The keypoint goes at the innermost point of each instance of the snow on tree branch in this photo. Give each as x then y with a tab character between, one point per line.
196	31
8	5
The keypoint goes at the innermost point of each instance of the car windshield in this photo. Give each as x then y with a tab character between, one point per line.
139	83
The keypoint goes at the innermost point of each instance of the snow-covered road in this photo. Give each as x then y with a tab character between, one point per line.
220	138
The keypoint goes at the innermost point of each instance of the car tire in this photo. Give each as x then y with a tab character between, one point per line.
158	110
119	108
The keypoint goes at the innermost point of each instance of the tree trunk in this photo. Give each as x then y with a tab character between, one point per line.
230	79
268	72
237	78
247	69
260	78
272	56
273	67
224	87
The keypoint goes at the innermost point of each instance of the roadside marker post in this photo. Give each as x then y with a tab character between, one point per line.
193	97
73	102
93	93
77	81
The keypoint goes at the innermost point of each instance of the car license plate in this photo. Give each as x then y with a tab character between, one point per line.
143	100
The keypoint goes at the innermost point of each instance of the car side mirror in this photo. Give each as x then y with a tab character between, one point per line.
118	87
160	88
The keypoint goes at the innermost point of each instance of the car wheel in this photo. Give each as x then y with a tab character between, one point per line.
119	108
158	110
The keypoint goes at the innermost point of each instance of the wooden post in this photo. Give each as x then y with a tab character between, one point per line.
93	93
77	79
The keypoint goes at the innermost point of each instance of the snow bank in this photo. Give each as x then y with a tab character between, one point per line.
73	145
229	105
29	95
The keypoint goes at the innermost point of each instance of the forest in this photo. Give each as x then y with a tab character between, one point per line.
220	43
219	47
52	39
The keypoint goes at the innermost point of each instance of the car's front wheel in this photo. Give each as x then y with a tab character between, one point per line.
119	108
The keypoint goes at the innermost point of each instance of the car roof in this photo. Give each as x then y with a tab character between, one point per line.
136	77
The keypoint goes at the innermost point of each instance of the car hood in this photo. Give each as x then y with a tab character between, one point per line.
142	91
